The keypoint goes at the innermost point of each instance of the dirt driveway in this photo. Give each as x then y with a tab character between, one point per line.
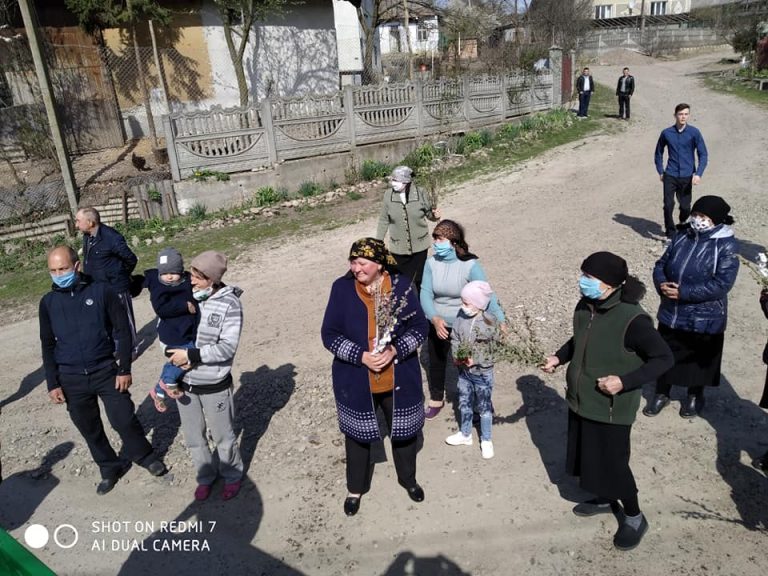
708	509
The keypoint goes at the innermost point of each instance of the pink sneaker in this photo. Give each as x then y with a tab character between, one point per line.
230	490
202	492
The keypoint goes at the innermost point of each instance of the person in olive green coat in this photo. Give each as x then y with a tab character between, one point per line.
404	214
614	350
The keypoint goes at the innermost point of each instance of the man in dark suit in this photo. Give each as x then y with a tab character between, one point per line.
585	85
625	87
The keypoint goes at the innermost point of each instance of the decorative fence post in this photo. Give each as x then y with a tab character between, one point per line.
418	87
504	97
269	129
556	66
466	83
170	143
349	108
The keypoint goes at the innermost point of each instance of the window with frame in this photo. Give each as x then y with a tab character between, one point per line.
422	32
658	8
603	11
394	39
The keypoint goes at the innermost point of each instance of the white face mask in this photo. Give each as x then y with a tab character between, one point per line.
469	310
202	295
398	186
701	224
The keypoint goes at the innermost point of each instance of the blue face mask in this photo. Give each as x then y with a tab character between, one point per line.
590	287
443	249
65	280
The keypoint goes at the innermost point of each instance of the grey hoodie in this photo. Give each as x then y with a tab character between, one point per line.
479	331
218	335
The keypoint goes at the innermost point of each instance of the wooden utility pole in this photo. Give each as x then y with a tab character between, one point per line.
642	18
46	90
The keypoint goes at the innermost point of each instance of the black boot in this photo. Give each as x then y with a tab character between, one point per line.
628	537
692	405
656	405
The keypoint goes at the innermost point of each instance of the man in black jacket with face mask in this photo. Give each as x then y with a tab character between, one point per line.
77	321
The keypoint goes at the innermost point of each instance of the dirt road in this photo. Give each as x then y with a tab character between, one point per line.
707	508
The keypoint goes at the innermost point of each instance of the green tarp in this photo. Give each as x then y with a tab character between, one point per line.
15	560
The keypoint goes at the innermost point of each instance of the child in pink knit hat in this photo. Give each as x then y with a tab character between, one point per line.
471	344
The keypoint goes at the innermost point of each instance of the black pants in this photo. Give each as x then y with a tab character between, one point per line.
624	106
679	188
82	393
359	465
412	265
584	98
438	351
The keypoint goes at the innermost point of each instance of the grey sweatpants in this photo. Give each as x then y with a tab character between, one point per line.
216	412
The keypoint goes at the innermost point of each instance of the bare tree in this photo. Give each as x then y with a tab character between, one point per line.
240	17
561	22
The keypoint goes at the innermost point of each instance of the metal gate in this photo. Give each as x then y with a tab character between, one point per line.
566	80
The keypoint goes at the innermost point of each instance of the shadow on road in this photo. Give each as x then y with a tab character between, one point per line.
546	415
217	538
736	422
28	383
644	227
406	564
24	491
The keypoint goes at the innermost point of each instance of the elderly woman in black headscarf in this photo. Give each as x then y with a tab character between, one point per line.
614	350
693	278
374	325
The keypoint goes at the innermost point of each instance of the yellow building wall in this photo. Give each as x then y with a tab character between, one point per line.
183	53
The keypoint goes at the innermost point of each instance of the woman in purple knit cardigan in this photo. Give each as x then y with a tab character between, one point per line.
374	367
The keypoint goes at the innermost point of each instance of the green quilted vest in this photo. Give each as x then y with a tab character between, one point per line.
598	339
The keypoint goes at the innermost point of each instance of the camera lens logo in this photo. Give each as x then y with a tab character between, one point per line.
65	536
36	536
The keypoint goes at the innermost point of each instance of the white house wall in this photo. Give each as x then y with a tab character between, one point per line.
417	47
623	8
348	36
290	55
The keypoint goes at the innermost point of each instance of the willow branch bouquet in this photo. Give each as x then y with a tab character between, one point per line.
758	269
520	344
388	311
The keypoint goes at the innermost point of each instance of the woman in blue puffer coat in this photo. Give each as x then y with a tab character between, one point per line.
693	278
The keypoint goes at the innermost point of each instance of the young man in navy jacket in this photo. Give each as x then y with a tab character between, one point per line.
77	321
684	144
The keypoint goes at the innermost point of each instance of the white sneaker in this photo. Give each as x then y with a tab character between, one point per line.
459	439
486	448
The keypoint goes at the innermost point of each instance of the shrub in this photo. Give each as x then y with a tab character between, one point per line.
154	195
309	188
373	169
508	131
203	175
351	175
197	212
422	156
267	195
486	137
469	143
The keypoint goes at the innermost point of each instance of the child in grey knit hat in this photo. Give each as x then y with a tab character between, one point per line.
170	291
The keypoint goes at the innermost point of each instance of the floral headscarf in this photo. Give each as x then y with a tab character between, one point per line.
371	249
